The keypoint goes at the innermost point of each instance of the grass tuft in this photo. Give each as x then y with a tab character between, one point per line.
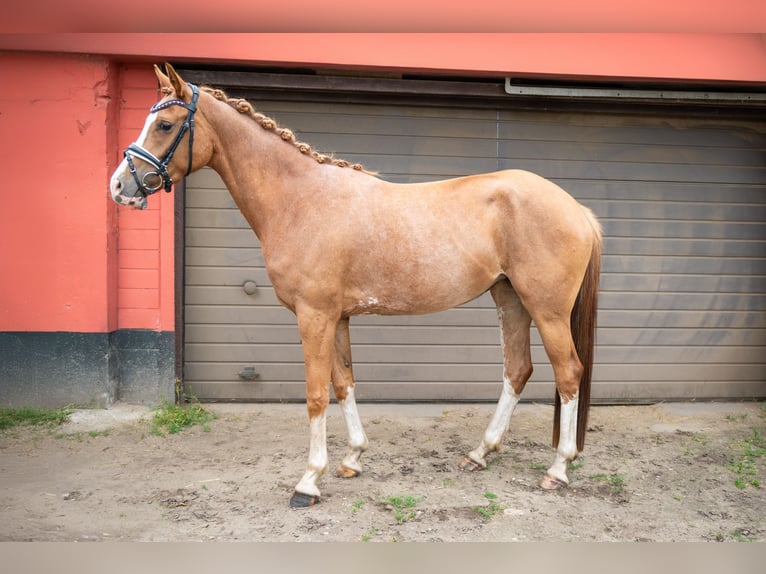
402	506
371	531
357	505
32	417
173	418
742	535
494	507
616	481
750	461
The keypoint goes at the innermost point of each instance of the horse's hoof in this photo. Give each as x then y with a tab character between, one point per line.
300	500
346	472
549	482
470	465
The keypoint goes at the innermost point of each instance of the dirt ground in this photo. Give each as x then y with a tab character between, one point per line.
664	472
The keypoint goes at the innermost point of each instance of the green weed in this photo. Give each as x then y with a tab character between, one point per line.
576	465
741	535
75	436
371	531
357	506
173	418
490	510
700	438
402	506
737	417
752	452
616	481
32	417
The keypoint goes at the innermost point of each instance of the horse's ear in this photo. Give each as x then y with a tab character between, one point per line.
180	87
162	78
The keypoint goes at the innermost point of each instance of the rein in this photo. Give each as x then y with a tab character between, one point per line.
154	180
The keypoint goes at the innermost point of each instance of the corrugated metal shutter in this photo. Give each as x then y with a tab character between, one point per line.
682	200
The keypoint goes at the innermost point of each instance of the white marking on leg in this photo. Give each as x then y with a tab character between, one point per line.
567	449
123	167
317	464
357	439
499	424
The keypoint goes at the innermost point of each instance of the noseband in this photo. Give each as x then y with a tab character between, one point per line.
145	184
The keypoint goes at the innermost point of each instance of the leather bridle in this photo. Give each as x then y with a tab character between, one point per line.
147	184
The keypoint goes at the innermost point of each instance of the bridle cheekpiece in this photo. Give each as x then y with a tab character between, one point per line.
146	185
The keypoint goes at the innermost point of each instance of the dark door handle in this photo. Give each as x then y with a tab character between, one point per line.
249	374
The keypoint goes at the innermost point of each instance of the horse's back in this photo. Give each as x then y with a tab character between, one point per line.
420	248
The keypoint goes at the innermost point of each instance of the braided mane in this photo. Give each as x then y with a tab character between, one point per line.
245	107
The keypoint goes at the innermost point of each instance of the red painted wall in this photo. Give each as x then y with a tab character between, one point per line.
386	16
146	241
678	57
70	260
56	223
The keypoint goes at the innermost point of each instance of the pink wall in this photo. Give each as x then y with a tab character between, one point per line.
676	56
146	241
55	222
70	260
389	16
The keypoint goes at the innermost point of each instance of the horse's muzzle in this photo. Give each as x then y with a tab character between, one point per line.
117	190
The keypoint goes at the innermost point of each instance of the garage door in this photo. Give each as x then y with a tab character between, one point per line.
682	201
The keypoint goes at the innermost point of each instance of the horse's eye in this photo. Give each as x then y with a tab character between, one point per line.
164	126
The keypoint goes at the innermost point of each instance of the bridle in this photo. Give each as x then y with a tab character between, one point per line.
145	184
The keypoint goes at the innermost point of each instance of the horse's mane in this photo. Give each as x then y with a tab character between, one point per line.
245	107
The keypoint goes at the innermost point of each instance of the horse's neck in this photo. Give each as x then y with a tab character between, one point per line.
263	174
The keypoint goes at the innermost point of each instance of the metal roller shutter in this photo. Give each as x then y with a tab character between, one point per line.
682	201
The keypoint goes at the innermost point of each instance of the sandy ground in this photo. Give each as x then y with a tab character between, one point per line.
649	473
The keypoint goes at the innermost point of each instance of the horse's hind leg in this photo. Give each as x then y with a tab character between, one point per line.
517	368
567	368
343	385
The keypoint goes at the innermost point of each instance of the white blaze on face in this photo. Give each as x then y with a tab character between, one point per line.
122	169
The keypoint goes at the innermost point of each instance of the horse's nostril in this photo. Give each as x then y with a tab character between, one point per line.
115	188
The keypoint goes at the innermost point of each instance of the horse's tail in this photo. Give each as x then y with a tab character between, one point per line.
583	326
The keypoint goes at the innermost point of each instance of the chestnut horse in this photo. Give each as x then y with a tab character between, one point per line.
338	241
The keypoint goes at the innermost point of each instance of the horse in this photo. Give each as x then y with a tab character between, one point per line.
340	241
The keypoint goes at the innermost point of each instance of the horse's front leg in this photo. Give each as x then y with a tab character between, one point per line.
318	339
343	385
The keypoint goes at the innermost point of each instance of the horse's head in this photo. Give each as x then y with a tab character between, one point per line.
162	153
